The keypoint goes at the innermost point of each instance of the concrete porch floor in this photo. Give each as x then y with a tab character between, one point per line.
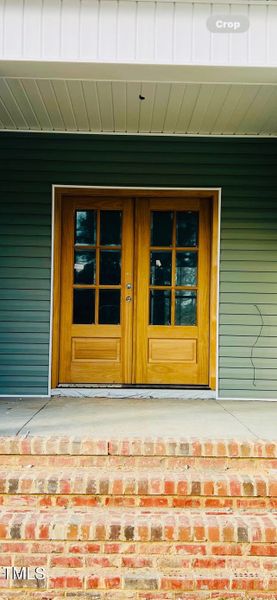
137	417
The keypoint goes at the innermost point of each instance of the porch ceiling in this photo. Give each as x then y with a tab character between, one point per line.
59	104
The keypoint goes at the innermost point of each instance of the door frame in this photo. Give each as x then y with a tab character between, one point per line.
58	191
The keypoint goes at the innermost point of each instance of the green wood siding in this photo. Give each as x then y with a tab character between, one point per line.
246	171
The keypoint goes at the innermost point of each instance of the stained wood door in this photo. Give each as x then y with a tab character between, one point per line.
96	287
173	282
135	282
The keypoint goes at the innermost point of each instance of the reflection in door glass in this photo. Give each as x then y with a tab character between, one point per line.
109	307
161	228
160	268
187	229
185	307
186	268
85	227
110	267
83	306
160	307
84	267
110	227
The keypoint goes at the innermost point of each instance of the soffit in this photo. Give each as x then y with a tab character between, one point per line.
58	105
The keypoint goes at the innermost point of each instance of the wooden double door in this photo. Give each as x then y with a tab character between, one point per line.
135	279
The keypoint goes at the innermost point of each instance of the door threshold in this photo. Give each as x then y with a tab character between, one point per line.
192	393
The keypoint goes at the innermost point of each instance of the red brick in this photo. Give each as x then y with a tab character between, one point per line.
66	561
112	582
93	583
212	584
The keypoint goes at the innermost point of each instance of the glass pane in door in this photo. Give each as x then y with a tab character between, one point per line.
97	267
173	268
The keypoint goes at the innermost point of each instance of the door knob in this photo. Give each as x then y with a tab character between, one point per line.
128	299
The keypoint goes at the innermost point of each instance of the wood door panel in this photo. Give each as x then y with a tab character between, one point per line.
97	350
174	352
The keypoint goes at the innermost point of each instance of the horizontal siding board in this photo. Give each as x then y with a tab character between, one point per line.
231	362
249	288
251	373
21	361
252	277
251	255
247	266
238	352
26	294
25	284
26	251
23	240
23	208
28	316
251	245
28	262
20	307
237	236
255	330
40	221
18	273
16	328
247	340
22	390
32	380
246	171
250	309
248	320
255	394
248	385
23	371
24	347
33	337
14	229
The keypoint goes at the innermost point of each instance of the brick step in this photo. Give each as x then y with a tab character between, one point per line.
57	445
138	463
158	580
144	455
37	488
140	525
129	595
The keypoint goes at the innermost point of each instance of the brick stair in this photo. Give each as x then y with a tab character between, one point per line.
139	519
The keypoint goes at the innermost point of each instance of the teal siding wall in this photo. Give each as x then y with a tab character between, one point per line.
246	171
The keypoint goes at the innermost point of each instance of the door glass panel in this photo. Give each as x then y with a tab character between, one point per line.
161	228
85	227
109	307
185	307
160	268
160	307
83	306
186	229
186	268
84	266
110	267
110	227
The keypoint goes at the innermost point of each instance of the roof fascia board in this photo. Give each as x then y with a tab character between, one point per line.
93	71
